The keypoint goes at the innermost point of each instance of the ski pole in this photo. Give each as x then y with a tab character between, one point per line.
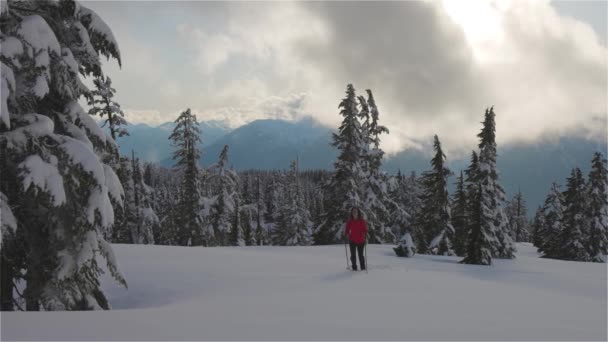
346	253
366	261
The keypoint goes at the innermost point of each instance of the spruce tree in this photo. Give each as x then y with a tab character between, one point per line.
186	139
148	174
272	198
489	226
479	243
400	219
471	179
293	226
103	104
236	233
343	191
54	152
538	227
573	236
460	217
166	206
376	200
493	195
413	190
552	223
435	220
248	233
135	220
245	191
260	236
137	204
317	210
517	216
597	193
471	187
225	184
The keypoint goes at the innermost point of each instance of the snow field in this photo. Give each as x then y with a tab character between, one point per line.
306	293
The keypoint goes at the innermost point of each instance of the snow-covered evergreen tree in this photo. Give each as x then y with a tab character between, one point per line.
166	183
316	205
479	242
435	220
248	233
493	195
55	150
137	220
412	202
260	232
460	217
597	193
225	184
552	217
236	231
376	200
471	177
103	104
399	221
293	226
538	227
343	191
517	215
186	139
272	197
489	226
573	236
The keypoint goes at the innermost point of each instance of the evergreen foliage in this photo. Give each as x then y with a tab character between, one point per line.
435	220
186	139
57	207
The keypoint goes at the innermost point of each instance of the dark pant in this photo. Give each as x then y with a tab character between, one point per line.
353	257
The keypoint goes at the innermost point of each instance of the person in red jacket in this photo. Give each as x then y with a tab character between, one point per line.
356	232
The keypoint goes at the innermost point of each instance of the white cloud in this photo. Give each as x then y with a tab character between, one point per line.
148	116
433	66
289	108
546	74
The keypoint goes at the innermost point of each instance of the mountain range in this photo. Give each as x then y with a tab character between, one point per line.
272	144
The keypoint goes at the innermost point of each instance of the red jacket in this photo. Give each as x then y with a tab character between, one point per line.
356	230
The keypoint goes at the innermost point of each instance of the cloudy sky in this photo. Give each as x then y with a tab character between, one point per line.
434	66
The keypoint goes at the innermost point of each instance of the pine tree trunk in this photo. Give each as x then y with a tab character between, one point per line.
6	284
32	291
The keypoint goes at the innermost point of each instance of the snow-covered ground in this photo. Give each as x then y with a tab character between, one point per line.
305	293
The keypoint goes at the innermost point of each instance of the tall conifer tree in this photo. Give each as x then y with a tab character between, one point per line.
460	217
597	192
573	236
493	195
436	219
344	189
186	139
552	223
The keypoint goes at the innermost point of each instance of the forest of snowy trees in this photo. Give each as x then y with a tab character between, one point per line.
66	193
573	224
217	206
